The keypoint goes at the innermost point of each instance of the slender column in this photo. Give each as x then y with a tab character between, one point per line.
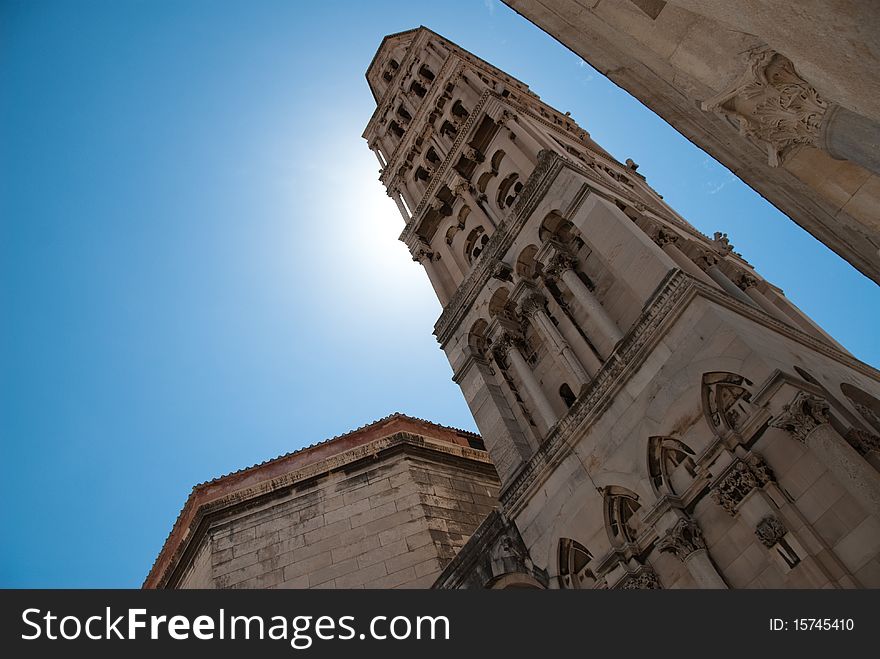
806	418
572	333
685	540
427	258
709	263
749	285
533	308
508	346
523	140
602	329
666	240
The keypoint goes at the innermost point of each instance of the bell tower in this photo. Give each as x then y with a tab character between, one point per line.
651	403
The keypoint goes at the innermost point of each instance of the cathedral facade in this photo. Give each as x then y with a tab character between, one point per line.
659	415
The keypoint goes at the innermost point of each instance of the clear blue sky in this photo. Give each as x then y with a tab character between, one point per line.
199	270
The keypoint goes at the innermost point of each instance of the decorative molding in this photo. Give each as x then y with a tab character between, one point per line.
770	531
772	104
740	478
863	441
683	539
802	415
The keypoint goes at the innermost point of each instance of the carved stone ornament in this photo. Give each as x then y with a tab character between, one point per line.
802	415
772	104
683	539
770	530
663	237
643	580
863	441
721	243
505	343
746	281
559	264
742	478
533	304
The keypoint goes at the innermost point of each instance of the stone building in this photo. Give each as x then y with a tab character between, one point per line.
785	94
385	506
659	415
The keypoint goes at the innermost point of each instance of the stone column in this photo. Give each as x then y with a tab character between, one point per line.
600	327
685	540
666	240
806	418
533	309
749	285
427	258
508	346
709	263
521	138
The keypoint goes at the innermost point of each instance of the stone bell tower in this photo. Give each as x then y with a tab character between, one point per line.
658	413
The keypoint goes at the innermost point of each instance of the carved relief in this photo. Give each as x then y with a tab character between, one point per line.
743	477
802	415
645	579
770	531
772	104
683	539
726	400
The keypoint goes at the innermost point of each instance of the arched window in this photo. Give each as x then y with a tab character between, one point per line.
621	521
496	160
475	243
526	264
725	400
432	157
459	111
418	89
573	561
567	395
393	64
395	128
555	227
448	129
665	456
508	190
403	114
426	73
483	181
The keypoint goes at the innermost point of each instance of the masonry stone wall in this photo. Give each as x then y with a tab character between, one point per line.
388	524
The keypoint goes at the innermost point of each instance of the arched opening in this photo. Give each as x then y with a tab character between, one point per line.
526	264
449	129
508	191
477	339
483	181
475	243
567	395
499	303
497	157
432	157
417	89
574	560
395	128
426	73
670	464
725	400
459	111
555	227
404	114
622	523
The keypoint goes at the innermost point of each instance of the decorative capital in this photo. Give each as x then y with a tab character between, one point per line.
746	281
770	530
533	304
772	104
802	415
706	260
559	264
643	580
683	539
743	477
505	343
663	237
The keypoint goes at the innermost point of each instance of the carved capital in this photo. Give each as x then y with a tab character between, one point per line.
533	304
683	539
643	580
743	477
705	260
505	343
559	264
746	281
663	237
802	415
772	104
770	530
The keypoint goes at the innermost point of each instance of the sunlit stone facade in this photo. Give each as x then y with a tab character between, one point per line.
659	415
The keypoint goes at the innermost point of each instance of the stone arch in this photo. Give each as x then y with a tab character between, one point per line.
726	400
508	190
497	157
526	264
499	303
573	565
555	227
477	339
667	458
475	243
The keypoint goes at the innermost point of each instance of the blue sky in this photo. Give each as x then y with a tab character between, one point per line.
199	269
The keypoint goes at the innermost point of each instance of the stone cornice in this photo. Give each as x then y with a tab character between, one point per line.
199	512
669	300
